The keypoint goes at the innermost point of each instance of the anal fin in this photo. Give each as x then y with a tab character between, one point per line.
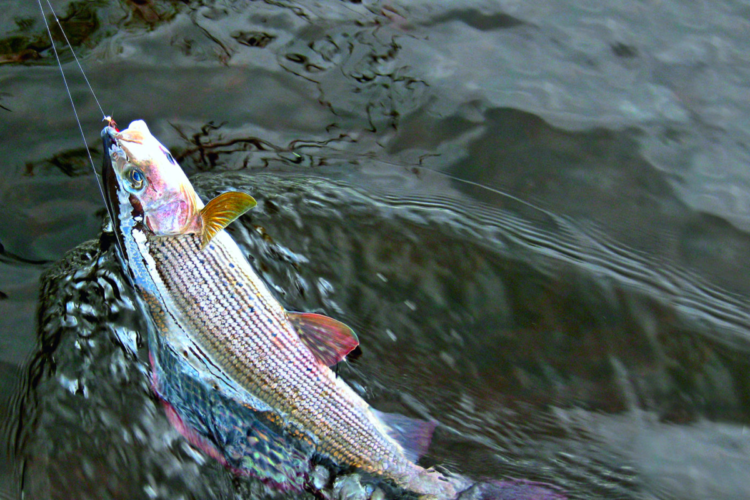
413	435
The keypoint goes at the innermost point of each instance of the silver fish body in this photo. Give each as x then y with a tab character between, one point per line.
215	318
238	326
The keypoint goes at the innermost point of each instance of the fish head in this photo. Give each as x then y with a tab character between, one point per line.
145	182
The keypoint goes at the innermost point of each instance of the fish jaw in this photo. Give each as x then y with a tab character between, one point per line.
144	181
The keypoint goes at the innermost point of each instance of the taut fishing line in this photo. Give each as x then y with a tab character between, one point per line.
98	179
83	73
67	88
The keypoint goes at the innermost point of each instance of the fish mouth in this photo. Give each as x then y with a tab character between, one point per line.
110	182
112	191
169	213
109	177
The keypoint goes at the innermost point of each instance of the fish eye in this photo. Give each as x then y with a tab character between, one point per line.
136	178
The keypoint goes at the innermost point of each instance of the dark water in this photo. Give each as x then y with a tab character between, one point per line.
576	312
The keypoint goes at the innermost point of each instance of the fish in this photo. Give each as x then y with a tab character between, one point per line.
245	380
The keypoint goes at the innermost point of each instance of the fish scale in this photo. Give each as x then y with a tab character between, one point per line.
244	435
257	347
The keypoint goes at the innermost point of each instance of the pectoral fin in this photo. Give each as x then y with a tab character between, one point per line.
329	340
222	211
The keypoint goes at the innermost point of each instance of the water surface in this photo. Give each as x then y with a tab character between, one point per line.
534	215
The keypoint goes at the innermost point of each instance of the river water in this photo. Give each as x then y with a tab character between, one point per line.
535	215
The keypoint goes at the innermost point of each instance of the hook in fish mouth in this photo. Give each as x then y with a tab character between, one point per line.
147	189
112	187
109	141
108	173
111	150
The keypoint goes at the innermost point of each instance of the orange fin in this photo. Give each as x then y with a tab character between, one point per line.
329	340
222	211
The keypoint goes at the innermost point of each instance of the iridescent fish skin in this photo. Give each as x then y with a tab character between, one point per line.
217	328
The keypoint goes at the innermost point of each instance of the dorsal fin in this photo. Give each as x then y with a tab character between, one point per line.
222	211
413	435
329	340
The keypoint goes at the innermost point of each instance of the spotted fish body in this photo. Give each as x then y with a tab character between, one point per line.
233	365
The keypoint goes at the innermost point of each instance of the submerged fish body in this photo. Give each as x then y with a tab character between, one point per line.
244	379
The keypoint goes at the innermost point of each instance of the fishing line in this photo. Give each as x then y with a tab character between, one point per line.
83	73
70	95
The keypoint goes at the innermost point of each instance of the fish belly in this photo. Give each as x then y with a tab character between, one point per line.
218	301
244	439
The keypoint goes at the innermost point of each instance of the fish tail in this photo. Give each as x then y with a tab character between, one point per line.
511	489
434	484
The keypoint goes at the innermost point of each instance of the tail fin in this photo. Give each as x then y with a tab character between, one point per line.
515	489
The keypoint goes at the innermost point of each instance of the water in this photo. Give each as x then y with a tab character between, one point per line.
584	322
